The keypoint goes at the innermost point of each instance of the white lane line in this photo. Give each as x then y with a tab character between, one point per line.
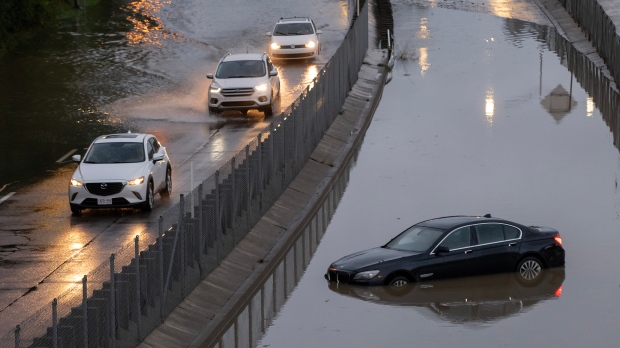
6	197
65	156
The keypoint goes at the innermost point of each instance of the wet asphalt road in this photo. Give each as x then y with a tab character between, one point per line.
136	66
476	120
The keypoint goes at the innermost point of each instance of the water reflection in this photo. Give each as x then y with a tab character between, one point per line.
482	299
147	27
558	103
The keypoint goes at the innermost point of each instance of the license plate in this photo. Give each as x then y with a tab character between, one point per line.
104	201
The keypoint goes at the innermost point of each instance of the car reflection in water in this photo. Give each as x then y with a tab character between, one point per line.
467	300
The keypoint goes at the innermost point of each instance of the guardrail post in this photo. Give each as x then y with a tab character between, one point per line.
112	304
55	323
138	300
181	232
162	300
85	310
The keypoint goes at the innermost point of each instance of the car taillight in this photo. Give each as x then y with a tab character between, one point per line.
558	239
558	292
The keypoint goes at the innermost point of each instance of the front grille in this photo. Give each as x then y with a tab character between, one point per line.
237	103
296	55
105	188
116	202
337	276
237	92
293	46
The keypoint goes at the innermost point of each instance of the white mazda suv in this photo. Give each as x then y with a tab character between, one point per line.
120	170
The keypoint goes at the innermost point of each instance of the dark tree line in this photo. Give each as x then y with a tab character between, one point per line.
19	16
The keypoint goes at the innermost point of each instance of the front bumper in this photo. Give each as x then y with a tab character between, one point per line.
346	277
127	196
293	53
256	100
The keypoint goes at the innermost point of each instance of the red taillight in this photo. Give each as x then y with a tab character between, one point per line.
558	292
558	240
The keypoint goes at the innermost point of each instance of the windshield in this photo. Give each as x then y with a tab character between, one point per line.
240	69
115	153
416	238
286	29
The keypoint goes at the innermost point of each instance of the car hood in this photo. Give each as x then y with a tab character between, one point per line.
242	82
293	39
369	257
91	172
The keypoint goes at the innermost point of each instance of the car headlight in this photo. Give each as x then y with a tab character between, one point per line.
366	275
275	46
261	88
136	181
215	88
311	44
75	182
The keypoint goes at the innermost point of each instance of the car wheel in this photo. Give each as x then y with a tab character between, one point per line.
268	110
529	269
399	282
150	197
75	210
168	184
214	111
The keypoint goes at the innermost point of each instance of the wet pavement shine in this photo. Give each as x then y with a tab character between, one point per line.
482	116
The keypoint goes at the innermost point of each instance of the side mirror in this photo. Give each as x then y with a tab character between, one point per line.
268	33
442	249
77	158
318	32
210	76
158	157
273	73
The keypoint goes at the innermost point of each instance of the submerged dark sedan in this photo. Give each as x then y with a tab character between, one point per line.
453	246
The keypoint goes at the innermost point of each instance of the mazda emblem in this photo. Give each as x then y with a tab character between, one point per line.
104	186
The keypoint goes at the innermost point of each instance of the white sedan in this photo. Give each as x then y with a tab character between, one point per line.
120	170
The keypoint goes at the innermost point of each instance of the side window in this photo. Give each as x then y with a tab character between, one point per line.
460	238
155	143
149	149
511	232
489	233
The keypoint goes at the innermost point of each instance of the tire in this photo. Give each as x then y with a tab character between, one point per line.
399	282
149	201
75	210
214	111
529	269
268	110
167	190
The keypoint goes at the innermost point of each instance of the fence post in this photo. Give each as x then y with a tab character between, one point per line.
181	234
271	154
161	267
248	186
17	339
112	303
85	310
261	183
233	176
138	300
55	323
201	237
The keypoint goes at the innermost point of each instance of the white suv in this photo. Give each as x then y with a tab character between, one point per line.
244	81
294	38
120	170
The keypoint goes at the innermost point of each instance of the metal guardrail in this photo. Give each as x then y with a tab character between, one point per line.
197	233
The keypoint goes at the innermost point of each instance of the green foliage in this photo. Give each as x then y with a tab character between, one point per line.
20	16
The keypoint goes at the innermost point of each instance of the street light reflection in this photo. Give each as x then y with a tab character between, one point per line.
590	107
423	33
146	26
489	107
423	60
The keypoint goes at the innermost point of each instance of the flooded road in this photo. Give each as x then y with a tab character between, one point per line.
119	66
482	116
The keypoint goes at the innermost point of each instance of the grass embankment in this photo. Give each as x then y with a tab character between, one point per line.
20	19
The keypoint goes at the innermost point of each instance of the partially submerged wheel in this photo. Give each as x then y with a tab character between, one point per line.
398	282
168	183
529	269
150	197
75	210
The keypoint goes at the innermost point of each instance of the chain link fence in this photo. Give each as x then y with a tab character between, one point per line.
120	302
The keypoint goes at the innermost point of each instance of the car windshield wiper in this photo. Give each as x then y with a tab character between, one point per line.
281	33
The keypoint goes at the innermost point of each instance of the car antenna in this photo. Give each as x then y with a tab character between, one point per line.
487	216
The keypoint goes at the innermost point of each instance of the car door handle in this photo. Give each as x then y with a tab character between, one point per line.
512	244
468	251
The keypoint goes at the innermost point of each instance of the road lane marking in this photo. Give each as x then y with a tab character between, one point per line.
6	197
65	156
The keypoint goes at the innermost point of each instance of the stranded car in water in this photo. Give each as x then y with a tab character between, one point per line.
453	246
120	170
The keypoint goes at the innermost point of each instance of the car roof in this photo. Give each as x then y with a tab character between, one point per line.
122	137
294	20
449	222
243	56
